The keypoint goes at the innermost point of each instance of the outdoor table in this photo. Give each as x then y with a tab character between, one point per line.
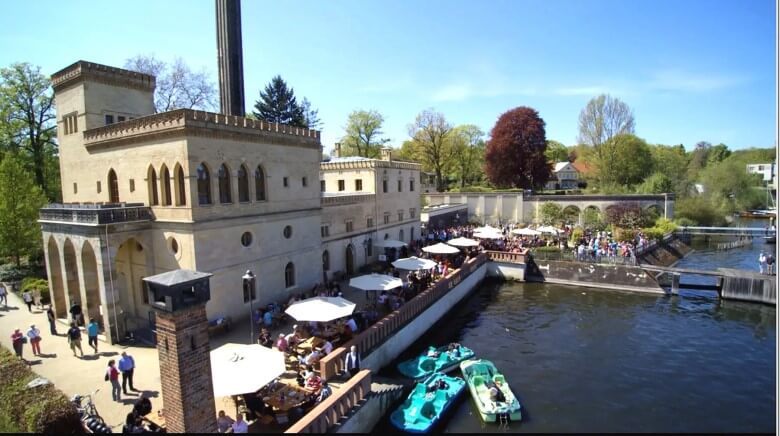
304	347
156	417
293	397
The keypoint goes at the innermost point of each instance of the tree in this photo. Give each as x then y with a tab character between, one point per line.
20	200
657	183
603	118
277	104
363	134
671	161
625	215
591	218
430	133
718	153
468	151
177	87
311	119
624	160
550	213
28	124
557	152
514	156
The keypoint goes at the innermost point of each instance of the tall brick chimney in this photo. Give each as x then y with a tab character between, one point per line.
231	57
179	299
336	150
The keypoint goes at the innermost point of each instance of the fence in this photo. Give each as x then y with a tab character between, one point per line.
376	334
338	404
742	242
571	256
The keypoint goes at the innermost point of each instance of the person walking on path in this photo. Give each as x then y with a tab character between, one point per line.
352	362
52	321
112	375
35	339
18	340
75	313
762	262
74	339
3	295
28	300
127	366
92	333
770	264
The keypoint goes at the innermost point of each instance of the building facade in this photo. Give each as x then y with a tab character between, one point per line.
146	193
565	176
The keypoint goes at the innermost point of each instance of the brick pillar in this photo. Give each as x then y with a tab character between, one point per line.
185	370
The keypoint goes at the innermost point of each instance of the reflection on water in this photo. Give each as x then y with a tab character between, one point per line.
598	361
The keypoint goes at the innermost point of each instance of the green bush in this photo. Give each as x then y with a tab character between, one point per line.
624	235
684	222
43	409
9	272
34	284
577	233
654	233
549	249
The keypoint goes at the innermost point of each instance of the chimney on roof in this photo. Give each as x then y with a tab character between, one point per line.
336	150
387	153
230	56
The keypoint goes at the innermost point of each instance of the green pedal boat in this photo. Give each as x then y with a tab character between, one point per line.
427	402
435	360
482	378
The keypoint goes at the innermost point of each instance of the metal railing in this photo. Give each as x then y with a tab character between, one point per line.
95	214
571	256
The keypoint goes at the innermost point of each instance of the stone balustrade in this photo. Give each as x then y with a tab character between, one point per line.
376	334
338	404
507	257
337	200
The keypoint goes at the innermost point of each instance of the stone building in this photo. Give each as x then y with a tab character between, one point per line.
146	193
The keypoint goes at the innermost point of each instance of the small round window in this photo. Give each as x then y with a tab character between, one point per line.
173	245
287	232
246	239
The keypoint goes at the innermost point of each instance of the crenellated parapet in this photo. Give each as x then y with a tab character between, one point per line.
88	71
369	164
188	122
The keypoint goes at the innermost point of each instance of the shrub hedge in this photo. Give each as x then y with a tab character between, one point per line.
42	409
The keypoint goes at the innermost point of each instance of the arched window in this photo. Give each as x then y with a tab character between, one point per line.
243	184
181	195
204	185
289	275
325	260
165	179
113	187
259	184
223	174
151	179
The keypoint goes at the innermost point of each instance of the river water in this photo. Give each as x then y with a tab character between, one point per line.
588	360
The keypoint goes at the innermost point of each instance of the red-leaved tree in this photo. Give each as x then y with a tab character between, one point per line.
514	156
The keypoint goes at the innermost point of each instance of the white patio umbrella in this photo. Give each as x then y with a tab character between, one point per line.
548	229
240	369
376	282
441	248
322	309
389	243
414	263
463	242
526	232
488	235
487	229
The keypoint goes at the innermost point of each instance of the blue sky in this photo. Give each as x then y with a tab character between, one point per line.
690	69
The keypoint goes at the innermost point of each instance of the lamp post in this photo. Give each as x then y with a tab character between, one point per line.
249	289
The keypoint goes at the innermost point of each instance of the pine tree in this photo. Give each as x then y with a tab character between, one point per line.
277	104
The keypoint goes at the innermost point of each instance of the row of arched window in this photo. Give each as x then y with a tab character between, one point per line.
167	199
162	185
224	185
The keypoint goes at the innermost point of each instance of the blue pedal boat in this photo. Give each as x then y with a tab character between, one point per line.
427	403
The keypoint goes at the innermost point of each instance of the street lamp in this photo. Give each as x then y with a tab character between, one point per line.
249	289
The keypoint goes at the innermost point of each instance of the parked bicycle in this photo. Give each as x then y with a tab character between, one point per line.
91	420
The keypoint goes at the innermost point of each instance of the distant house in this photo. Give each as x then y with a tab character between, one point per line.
565	176
767	170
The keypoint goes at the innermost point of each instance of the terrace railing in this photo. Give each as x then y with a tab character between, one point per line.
95	214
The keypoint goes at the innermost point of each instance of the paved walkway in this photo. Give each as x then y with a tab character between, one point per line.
75	375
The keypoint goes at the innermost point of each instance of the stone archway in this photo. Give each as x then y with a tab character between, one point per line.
130	267
93	307
55	281
350	260
571	214
72	274
652	213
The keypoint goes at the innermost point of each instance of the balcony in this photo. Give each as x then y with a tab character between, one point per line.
338	200
95	214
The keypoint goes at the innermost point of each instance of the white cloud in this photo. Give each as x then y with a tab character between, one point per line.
677	80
